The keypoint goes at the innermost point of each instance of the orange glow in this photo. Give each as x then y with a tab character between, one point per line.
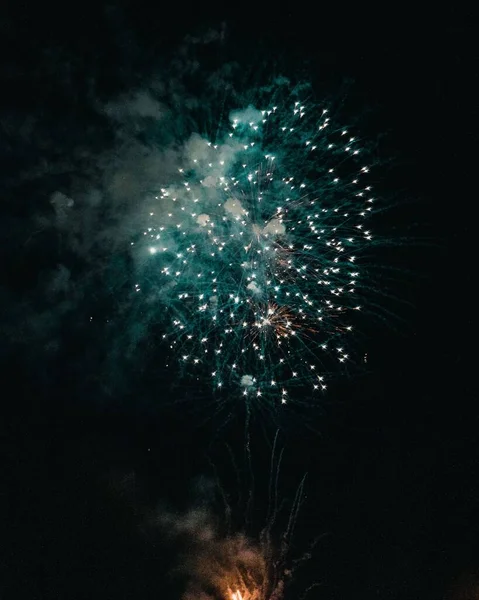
244	595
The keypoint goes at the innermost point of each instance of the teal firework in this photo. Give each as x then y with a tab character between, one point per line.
254	249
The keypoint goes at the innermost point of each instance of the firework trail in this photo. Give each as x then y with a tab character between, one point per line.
252	249
222	559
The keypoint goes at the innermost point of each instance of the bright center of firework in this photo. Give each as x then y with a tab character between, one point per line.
252	250
245	595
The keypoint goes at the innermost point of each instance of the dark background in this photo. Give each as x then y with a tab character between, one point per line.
393	471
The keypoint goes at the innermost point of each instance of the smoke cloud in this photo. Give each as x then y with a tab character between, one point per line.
215	562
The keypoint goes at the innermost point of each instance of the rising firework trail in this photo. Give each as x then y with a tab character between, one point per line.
224	558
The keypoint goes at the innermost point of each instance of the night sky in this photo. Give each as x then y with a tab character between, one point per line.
102	443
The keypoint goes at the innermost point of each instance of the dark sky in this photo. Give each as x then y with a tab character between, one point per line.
391	456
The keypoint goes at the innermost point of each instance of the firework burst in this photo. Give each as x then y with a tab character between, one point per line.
253	249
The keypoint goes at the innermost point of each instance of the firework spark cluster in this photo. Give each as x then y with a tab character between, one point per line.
253	249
